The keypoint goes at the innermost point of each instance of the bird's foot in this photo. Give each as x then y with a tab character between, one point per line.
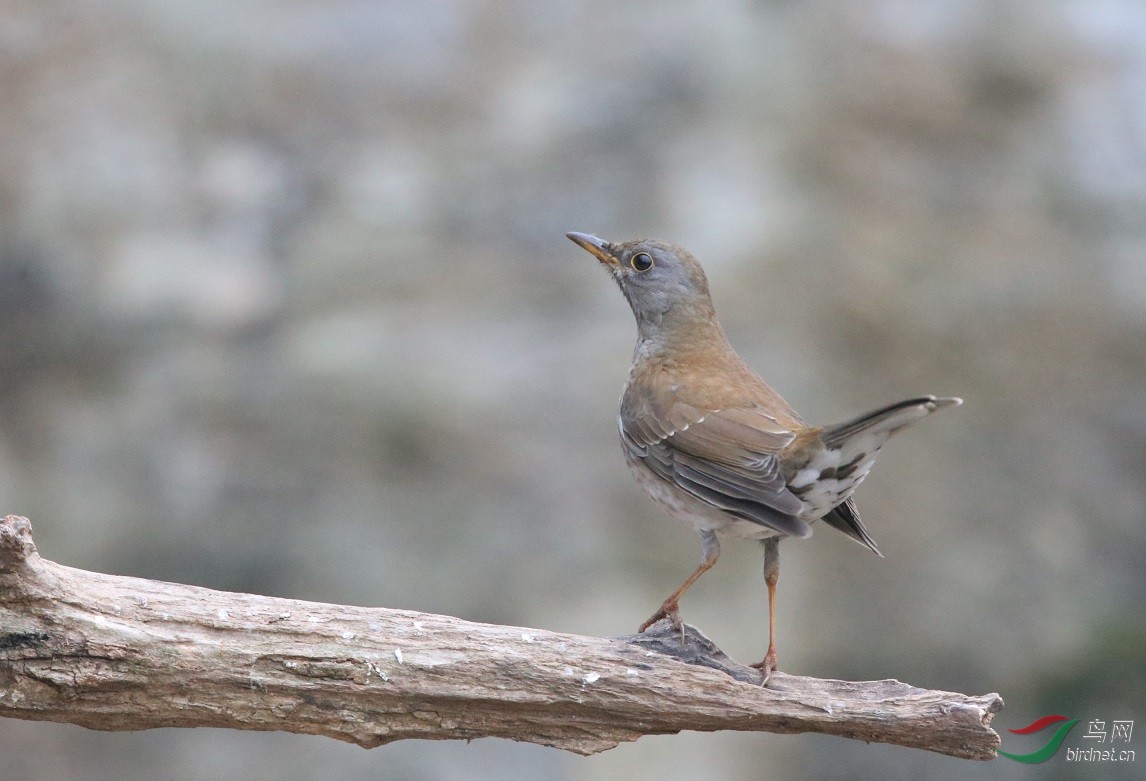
767	665
669	610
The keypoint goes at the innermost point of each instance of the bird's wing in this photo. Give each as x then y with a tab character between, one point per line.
727	458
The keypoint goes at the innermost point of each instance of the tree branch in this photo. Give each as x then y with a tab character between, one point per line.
118	653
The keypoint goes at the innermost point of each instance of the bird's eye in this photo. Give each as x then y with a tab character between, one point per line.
642	261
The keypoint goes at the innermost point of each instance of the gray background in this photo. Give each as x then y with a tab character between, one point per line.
287	309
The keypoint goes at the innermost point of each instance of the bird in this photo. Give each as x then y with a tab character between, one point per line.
712	443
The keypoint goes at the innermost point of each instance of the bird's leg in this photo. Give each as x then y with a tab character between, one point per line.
670	608
771	576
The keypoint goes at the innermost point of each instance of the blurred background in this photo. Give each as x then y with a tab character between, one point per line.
287	309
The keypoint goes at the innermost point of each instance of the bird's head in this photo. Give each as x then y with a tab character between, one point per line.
664	284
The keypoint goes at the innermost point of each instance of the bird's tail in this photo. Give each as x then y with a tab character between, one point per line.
884	422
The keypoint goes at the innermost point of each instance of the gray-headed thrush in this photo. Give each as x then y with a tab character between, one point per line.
712	443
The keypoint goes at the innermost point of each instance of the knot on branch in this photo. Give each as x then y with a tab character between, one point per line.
691	646
16	545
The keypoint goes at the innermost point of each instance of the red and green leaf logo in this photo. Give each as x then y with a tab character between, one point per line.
1048	750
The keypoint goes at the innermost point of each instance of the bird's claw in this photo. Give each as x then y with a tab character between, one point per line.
766	666
668	610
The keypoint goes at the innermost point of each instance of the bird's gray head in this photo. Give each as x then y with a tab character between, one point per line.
664	284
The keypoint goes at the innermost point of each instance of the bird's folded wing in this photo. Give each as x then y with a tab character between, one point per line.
727	458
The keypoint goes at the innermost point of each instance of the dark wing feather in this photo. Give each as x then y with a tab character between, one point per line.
846	518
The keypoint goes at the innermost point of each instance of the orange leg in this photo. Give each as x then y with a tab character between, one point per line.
670	608
771	577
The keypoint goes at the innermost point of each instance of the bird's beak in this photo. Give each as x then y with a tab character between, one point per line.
599	248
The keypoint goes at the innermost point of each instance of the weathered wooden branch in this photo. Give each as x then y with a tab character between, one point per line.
120	653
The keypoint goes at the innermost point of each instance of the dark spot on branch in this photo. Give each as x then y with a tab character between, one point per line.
11	640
